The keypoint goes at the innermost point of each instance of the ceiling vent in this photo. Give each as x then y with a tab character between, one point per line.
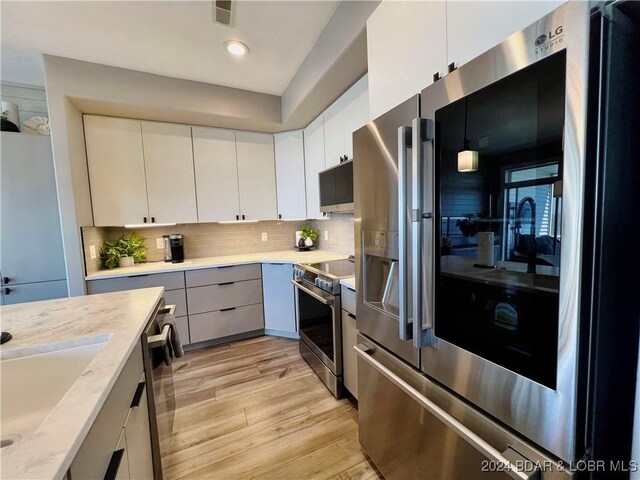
222	11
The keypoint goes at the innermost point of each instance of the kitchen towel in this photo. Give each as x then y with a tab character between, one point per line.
173	347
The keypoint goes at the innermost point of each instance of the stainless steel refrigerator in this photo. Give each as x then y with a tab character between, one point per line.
492	294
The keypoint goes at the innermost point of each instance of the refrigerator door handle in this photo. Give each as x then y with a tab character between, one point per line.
459	428
421	209
404	142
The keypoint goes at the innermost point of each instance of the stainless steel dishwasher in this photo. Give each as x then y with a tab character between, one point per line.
159	379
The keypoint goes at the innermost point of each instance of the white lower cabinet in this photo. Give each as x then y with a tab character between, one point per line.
118	445
279	300
349	339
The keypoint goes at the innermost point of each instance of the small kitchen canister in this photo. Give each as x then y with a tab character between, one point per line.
486	249
10	117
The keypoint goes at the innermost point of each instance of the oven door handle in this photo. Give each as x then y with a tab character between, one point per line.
317	296
365	353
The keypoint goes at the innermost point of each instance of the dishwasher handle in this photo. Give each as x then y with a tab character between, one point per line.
364	352
160	340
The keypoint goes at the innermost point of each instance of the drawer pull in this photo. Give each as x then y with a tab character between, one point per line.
135	402
228	309
226	266
114	465
351	289
351	315
226	283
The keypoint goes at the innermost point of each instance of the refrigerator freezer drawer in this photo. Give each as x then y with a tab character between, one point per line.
412	428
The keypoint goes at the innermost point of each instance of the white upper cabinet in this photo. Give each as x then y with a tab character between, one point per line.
356	113
168	159
314	164
406	45
289	149
256	176
334	127
473	27
116	170
342	118
216	170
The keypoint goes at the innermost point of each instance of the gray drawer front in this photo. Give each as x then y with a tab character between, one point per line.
170	281
217	297
177	298
212	276
208	326
348	300
183	330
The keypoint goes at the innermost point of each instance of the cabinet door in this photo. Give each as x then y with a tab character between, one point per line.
349	356
116	170
278	295
168	160
334	128
292	201
214	156
356	112
34	292
119	464
30	238
139	438
256	176
406	45
314	164
474	27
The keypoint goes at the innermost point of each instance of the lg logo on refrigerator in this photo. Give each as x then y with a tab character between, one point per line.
545	41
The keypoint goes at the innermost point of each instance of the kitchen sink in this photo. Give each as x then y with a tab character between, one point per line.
34	380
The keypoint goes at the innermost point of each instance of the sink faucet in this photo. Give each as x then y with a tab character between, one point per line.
6	336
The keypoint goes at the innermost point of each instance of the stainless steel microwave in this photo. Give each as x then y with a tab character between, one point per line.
336	188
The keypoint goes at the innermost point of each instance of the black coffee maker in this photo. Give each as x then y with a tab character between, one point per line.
176	242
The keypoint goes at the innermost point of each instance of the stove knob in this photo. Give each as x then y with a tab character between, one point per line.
317	282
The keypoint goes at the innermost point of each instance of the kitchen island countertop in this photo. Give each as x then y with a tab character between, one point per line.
119	319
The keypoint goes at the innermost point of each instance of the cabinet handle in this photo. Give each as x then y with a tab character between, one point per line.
144	219
351	315
436	77
114	465
226	283
226	266
135	402
227	309
7	290
153	219
452	67
5	280
351	289
237	217
243	216
279	217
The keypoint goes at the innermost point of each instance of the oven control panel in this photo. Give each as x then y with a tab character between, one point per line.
325	283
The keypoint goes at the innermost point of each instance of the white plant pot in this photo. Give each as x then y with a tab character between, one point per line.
125	262
308	242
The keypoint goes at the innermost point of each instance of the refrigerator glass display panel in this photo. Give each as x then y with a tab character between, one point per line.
499	158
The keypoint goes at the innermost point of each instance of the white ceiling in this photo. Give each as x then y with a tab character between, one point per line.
172	38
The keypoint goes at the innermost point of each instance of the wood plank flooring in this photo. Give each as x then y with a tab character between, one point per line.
255	410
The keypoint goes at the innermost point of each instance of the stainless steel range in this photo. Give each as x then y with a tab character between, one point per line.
319	319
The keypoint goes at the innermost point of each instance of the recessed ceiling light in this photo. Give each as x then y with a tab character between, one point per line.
236	48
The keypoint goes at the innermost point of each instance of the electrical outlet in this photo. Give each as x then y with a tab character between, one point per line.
92	251
264	236
326	234
160	243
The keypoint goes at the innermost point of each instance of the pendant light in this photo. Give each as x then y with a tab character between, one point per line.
467	158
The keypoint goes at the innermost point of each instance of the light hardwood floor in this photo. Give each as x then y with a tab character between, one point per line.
255	409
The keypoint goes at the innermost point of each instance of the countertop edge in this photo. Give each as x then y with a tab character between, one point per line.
279	256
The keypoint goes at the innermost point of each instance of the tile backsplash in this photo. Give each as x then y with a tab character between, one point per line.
339	229
214	239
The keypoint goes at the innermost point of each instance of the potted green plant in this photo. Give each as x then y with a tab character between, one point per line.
123	252
308	235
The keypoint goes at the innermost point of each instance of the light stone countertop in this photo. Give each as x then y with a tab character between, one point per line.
119	316
284	256
349	282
